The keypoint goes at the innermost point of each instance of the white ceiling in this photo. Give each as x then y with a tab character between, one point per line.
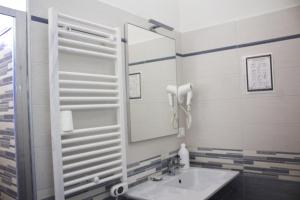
186	15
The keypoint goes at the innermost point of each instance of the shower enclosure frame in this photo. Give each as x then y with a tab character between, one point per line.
21	104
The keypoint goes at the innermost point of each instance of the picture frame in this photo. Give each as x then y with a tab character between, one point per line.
135	89
259	73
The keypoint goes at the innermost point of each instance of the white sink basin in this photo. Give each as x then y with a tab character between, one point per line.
194	183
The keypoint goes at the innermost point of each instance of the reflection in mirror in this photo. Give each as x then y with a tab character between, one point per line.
151	68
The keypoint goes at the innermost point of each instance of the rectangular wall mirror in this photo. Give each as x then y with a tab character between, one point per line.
151	67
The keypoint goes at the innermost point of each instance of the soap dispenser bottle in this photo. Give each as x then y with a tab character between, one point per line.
184	156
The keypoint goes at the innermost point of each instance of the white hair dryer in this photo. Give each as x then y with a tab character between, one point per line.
183	92
186	91
172	94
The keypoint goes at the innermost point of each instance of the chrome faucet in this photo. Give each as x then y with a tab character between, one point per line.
173	165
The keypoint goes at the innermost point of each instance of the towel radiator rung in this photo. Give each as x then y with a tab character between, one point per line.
87	99
91	153
88	75
66	33
90	161
88	106
86	91
92	130
97	167
87	138
87	83
88	146
103	49
86	52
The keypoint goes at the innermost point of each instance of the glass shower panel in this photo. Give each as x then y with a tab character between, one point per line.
8	165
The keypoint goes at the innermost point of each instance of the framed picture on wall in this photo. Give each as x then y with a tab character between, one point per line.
259	73
135	90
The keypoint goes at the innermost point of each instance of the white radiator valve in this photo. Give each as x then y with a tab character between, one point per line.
119	189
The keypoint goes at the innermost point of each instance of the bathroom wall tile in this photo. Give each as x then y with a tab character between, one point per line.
285	53
271	110
271	25
43	168
40	84
215	88
217	158
39	48
210	65
222	136
139	172
42	139
8	164
209	38
272	164
41	118
288	81
219	112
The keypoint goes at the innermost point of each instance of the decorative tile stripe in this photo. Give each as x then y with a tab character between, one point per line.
279	165
8	179
140	171
152	60
243	45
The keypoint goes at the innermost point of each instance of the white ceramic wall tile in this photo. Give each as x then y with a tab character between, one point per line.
209	38
289	81
272	25
261	121
41	118
40	84
216	88
39	46
43	166
210	65
271	110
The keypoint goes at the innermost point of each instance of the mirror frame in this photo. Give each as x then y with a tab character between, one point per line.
126	56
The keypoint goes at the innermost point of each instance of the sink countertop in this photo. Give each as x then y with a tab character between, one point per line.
194	183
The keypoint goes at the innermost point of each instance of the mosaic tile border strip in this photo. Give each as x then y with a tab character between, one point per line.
278	165
8	172
140	171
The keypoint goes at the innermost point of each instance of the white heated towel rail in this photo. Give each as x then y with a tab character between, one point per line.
84	157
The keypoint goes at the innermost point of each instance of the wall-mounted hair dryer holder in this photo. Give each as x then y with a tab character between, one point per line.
184	94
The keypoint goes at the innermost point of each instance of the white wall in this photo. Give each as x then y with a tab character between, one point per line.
165	11
224	115
202	13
